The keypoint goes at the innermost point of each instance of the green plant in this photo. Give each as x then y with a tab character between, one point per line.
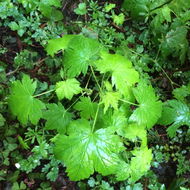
95	140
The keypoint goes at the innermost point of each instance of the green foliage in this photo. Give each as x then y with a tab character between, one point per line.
67	88
118	19
79	54
2	120
149	110
55	45
22	102
81	9
86	151
176	114
57	117
92	105
86	107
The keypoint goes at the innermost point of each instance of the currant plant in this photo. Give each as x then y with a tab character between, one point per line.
95	119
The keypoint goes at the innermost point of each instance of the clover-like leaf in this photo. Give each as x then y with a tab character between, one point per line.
84	152
22	103
57	117
68	88
175	114
149	110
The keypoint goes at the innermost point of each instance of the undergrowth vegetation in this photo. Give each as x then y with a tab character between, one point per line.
94	94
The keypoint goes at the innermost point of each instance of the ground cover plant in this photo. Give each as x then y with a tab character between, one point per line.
94	94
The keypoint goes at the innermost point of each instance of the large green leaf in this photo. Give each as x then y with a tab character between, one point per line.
79	55
22	103
175	113
123	75
57	117
84	151
149	109
68	88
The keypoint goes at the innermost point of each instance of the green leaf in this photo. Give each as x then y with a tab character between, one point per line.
86	107
84	151
140	164
68	88
175	113
110	99
138	8
123	75
2	120
109	7
47	9
133	131
118	19
182	92
137	167
175	43
57	117
55	45
22	103
81	9
149	110
81	52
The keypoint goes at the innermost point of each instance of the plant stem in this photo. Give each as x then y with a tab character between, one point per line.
75	101
94	123
160	6
95	79
46	92
128	102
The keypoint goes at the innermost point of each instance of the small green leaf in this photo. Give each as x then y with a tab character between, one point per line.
110	99
149	110
81	9
182	92
22	103
57	117
109	7
123	75
68	88
140	164
86	107
118	19
175	113
55	45
133	131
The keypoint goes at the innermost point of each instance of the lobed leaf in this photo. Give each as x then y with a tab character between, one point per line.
22	103
68	88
